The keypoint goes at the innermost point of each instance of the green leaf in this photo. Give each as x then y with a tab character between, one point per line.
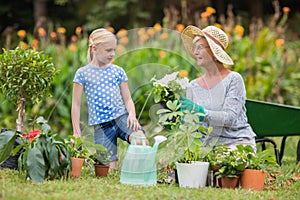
7	141
36	169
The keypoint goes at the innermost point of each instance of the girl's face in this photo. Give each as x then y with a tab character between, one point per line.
105	52
202	53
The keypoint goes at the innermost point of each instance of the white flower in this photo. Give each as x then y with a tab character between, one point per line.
184	83
166	79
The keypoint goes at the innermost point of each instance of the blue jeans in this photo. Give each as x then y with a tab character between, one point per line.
107	134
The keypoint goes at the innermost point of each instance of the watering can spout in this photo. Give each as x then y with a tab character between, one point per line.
158	139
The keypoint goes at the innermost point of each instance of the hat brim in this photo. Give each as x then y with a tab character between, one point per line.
188	35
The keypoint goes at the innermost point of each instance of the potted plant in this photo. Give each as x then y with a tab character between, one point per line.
186	136
100	159
25	78
231	164
79	153
44	157
254	175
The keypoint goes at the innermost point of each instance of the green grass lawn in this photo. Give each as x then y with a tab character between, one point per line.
88	186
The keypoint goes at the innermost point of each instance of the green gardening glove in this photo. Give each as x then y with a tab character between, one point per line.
187	104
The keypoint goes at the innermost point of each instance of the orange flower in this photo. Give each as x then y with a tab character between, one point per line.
110	29
21	34
179	27
61	30
42	32
35	43
238	29
210	10
74	38
286	9
141	32
279	42
157	27
23	44
183	73
124	40
78	30
164	35
53	35
122	33
205	15
162	54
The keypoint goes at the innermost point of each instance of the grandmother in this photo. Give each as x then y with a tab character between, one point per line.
218	93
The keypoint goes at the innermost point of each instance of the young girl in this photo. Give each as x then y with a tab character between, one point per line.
111	110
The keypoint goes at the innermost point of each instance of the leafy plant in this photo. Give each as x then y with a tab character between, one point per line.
260	160
45	157
76	147
98	154
231	163
25	76
187	135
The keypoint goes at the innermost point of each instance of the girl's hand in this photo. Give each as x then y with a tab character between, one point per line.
133	123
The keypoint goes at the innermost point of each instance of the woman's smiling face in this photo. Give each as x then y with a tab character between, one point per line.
202	52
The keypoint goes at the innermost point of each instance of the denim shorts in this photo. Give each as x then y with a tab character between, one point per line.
107	134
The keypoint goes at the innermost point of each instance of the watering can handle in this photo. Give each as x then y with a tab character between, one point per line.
142	137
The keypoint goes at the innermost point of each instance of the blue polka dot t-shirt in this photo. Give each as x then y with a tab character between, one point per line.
102	91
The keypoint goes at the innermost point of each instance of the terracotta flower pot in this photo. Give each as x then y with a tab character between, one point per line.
253	179
76	166
101	170
230	182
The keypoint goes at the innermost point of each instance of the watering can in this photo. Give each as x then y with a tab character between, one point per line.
139	167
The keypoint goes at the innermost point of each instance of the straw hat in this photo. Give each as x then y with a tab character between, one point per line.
216	38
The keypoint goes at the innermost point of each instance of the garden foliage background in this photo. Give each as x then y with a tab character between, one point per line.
268	61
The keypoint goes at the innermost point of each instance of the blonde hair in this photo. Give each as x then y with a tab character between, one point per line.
99	36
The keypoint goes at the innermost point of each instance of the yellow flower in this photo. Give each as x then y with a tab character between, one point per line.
42	32
21	34
238	29
151	32
122	33
72	47
286	9
164	35
141	32
78	30
210	10
218	25
162	54
157	27
124	40
279	42
179	27
61	30
183	73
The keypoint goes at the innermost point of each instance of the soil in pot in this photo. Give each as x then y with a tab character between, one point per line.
101	170
253	179
77	164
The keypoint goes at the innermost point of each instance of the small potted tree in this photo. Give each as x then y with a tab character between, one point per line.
25	78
